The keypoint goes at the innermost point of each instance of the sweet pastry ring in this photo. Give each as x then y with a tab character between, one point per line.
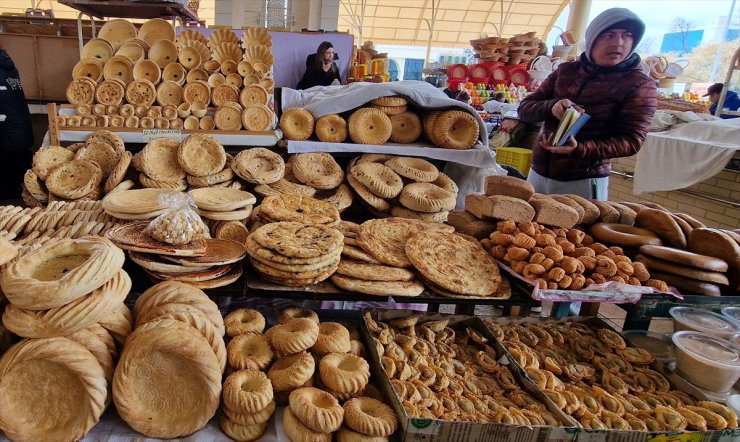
316	409
333	338
296	336
247	390
344	373
291	313
297	431
244	321
291	371
249	351
370	416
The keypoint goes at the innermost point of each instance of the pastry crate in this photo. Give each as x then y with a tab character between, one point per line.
436	430
677	383
517	157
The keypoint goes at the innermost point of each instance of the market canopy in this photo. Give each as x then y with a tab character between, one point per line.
453	23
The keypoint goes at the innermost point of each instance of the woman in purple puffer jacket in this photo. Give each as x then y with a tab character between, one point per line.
606	82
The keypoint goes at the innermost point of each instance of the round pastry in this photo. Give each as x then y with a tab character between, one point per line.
316	409
369	126
426	197
455	130
244	320
663	225
68	378
344	373
367	196
60	272
623	235
405	127
297	124
48	158
247	390
253	94
258	166
81	90
291	313
295	336
74	179
159	160
380	179
102	154
370	416
249	351
333	338
201	155
258	117
346	435
331	129
298	432
249	419
318	170
415	169
242	433
291	371
141	92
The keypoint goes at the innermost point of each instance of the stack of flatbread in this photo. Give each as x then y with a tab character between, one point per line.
66	300
293	208
175	356
374	258
223	204
79	172
295	254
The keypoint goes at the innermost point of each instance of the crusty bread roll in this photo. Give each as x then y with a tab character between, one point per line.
553	213
508	186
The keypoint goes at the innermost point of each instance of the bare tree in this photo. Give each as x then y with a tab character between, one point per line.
683	27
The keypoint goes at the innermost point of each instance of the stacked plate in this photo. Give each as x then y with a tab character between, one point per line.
207	263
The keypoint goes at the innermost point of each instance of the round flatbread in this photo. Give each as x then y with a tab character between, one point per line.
385	239
373	272
201	155
298	240
379	288
159	160
299	208
221	199
453	263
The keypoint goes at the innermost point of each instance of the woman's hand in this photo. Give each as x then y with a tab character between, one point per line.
565	149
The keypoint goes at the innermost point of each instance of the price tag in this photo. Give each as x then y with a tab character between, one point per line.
152	134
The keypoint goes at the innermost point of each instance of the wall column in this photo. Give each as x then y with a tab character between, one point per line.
314	15
578	20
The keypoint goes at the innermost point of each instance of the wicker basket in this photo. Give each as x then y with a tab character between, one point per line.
681	105
193	5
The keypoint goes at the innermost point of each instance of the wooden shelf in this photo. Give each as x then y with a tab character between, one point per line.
131	9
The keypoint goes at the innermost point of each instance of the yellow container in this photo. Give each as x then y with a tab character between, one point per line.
517	157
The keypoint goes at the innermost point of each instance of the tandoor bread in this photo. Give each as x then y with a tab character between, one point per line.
168	380
385	239
453	263
50	389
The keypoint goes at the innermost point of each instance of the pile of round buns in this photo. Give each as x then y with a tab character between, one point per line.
175	356
66	301
564	258
295	253
593	375
384	119
124	72
80	172
405	187
450	372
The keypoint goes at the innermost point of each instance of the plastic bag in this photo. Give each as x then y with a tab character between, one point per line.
180	224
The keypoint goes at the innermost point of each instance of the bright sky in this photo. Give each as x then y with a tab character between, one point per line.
659	14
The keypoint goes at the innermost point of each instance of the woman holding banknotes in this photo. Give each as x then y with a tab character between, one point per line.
606	83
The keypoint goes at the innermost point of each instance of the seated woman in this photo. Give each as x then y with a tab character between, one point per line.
320	68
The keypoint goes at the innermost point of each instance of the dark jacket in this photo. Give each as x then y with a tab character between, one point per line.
732	102
16	132
318	77
621	102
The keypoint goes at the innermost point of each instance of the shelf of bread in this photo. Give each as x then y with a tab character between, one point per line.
390	125
565	243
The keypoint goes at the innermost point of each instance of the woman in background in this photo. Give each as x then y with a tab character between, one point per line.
320	68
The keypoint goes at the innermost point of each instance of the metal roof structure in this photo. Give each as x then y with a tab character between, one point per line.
445	23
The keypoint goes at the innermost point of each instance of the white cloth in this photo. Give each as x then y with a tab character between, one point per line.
473	165
325	100
668	119
686	155
590	188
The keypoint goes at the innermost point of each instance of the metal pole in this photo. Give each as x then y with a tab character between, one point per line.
718	56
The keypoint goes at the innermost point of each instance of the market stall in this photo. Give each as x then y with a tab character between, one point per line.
177	272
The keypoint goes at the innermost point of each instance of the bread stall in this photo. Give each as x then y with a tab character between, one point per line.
178	280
